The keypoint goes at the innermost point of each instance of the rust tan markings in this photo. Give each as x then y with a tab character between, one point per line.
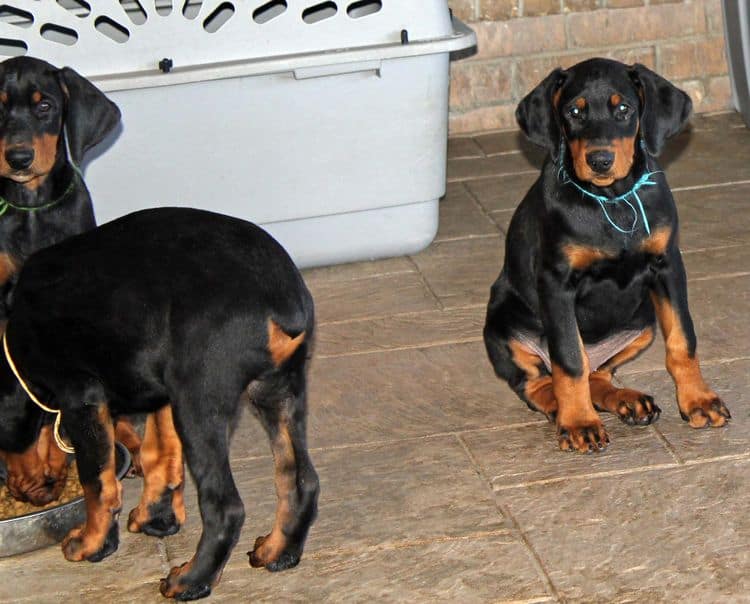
268	549
161	460
281	346
8	267
581	257
624	150
578	150
103	500
126	434
631	351
556	98
631	406
615	100
4	97
698	403
656	243
26	474
54	459
36	97
538	388
580	102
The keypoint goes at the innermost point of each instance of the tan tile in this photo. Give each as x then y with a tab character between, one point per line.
731	381
715	262
538	8
377	495
467	169
654	536
705	157
461	272
496	10
376	296
503	193
514	141
357	270
463	9
511	457
713	217
488	569
407	393
461	216
400	331
463	147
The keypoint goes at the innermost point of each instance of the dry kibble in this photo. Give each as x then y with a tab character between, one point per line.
11	507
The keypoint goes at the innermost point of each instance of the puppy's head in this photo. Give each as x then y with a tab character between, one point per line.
598	109
38	103
36	467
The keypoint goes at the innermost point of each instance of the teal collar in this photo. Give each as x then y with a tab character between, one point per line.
628	198
5	204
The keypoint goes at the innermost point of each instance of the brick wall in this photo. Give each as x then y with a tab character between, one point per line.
520	41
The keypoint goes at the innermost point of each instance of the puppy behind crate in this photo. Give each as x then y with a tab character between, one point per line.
592	258
177	313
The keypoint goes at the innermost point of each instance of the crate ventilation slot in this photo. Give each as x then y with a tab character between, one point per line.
112	37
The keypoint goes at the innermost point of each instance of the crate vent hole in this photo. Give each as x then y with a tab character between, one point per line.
270	10
191	8
113	30
80	8
164	7
363	8
59	34
134	10
12	48
321	11
219	17
15	16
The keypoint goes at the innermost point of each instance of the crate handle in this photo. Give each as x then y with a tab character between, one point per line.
322	71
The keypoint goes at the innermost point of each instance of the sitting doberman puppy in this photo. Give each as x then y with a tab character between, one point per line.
177	313
43	200
592	257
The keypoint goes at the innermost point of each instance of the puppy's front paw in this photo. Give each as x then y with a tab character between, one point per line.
79	545
635	408
584	436
706	410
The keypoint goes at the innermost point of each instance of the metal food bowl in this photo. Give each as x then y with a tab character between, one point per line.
39	529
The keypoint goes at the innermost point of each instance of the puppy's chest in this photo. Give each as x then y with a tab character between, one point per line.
623	263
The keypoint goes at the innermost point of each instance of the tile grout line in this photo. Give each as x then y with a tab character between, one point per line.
667	445
482	209
506	514
488	176
704	363
399	314
426	283
624	471
716	185
398	441
433	344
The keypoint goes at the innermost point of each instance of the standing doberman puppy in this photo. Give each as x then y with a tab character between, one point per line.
177	313
592	257
44	200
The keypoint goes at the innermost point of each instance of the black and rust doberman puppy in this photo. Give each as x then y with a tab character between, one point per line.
177	313
43	200
592	257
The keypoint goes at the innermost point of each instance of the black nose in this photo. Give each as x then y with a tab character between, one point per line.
600	161
19	158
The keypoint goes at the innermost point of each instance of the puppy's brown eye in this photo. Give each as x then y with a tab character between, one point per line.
575	112
622	111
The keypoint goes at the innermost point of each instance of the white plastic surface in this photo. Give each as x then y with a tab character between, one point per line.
737	30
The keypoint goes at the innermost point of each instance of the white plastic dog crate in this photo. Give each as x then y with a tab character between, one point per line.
323	120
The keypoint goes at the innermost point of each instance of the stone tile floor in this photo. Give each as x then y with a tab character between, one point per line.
437	483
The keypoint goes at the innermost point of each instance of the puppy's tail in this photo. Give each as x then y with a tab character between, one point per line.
282	345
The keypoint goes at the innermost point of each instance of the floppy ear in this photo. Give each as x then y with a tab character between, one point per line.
89	115
536	113
664	108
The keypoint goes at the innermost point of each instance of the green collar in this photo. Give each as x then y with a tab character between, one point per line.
5	204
